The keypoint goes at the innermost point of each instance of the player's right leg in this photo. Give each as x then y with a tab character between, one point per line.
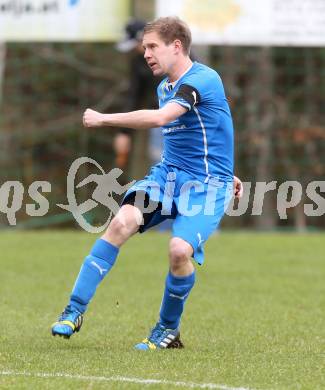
95	267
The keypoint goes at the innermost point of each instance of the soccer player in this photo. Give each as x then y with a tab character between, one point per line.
190	185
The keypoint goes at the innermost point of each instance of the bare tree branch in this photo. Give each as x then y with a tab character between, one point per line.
49	53
60	125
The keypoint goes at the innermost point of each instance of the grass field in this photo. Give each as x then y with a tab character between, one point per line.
255	319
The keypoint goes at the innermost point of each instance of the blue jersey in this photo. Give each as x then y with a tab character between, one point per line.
201	141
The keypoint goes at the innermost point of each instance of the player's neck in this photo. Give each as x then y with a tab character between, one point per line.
180	69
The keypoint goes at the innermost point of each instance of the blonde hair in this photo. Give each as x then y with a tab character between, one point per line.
170	28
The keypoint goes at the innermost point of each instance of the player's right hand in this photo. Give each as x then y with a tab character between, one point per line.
92	118
238	187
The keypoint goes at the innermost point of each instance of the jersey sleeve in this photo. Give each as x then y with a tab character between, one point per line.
203	87
187	96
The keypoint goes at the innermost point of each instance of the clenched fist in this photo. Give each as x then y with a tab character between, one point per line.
92	118
238	187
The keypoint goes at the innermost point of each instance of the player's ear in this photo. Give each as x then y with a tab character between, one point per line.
178	46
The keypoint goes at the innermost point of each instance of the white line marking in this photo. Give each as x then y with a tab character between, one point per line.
122	379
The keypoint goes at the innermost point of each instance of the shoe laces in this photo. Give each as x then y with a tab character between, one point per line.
69	313
157	333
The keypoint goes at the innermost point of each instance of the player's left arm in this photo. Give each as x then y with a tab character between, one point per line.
140	119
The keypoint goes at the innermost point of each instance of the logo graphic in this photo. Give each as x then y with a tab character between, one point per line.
73	2
200	239
211	15
106	186
179	296
100	269
194	96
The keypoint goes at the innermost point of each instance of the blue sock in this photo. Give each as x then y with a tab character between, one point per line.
101	259
177	290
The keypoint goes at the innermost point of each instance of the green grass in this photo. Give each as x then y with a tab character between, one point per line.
255	318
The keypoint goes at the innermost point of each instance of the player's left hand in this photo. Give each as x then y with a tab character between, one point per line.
238	187
92	118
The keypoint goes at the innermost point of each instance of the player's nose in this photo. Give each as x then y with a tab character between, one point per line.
147	54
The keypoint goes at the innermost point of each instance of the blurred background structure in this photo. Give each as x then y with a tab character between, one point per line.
276	91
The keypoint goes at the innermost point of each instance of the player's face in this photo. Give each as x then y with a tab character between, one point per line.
159	56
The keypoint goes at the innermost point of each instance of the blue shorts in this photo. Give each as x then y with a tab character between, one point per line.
195	207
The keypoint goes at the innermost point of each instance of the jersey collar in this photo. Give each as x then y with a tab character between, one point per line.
170	86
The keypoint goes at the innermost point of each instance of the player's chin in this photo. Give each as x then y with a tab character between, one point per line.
157	71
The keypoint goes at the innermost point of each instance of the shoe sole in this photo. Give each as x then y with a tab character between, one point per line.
61	335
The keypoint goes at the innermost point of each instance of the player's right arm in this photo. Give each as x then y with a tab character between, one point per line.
141	119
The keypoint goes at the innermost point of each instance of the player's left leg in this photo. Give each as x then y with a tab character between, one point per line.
179	282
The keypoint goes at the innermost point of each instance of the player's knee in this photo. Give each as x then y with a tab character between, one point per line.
118	227
121	227
179	252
